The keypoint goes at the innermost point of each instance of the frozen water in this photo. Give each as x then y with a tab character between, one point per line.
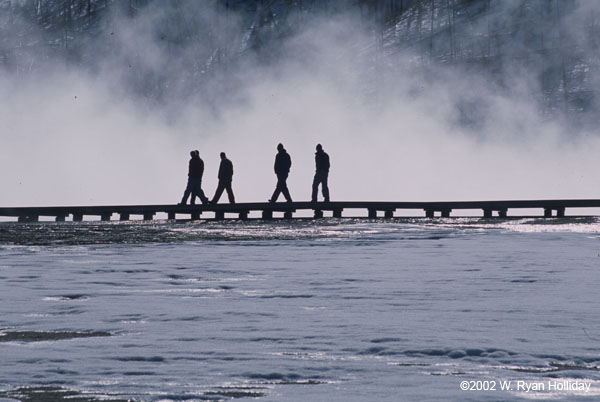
336	310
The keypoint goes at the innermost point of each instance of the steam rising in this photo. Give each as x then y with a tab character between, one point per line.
116	126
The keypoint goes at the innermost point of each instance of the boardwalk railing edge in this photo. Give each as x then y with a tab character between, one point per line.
553	207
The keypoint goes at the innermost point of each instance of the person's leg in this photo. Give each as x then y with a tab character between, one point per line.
315	188
194	190
202	195
324	187
282	184
230	193
280	187
186	193
218	193
276	192
286	193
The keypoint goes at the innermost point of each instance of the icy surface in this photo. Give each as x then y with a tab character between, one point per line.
340	311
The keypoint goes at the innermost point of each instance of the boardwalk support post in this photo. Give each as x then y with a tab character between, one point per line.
487	213
267	214
547	212
560	212
171	216
195	215
372	213
318	213
429	213
219	215
337	213
124	216
502	213
106	216
287	215
389	213
28	218
77	217
243	215
60	218
148	216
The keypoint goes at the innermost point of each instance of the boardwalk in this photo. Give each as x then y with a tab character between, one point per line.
373	209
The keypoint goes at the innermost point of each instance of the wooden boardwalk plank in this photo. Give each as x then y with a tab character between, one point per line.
387	208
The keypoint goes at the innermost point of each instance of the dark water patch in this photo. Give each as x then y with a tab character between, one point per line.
186	397
300	296
410	364
213	357
218	394
138	373
105	283
358	297
272	339
190	318
459	353
62	371
386	340
376	350
235	393
284	379
37	360
152	359
40	336
554	326
71	297
54	394
244	233
100	233
69	311
449	373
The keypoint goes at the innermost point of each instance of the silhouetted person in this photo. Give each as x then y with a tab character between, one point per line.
225	177
322	171
194	184
283	162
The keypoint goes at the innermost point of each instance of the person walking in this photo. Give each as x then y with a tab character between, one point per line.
194	184
283	162
321	174
225	178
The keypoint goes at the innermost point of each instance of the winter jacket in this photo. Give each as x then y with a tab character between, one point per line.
322	161
196	168
226	170
283	162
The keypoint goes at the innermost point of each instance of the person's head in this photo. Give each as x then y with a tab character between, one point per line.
223	156
197	153
192	153
319	147
280	147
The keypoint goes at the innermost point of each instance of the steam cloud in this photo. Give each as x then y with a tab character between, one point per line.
116	125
